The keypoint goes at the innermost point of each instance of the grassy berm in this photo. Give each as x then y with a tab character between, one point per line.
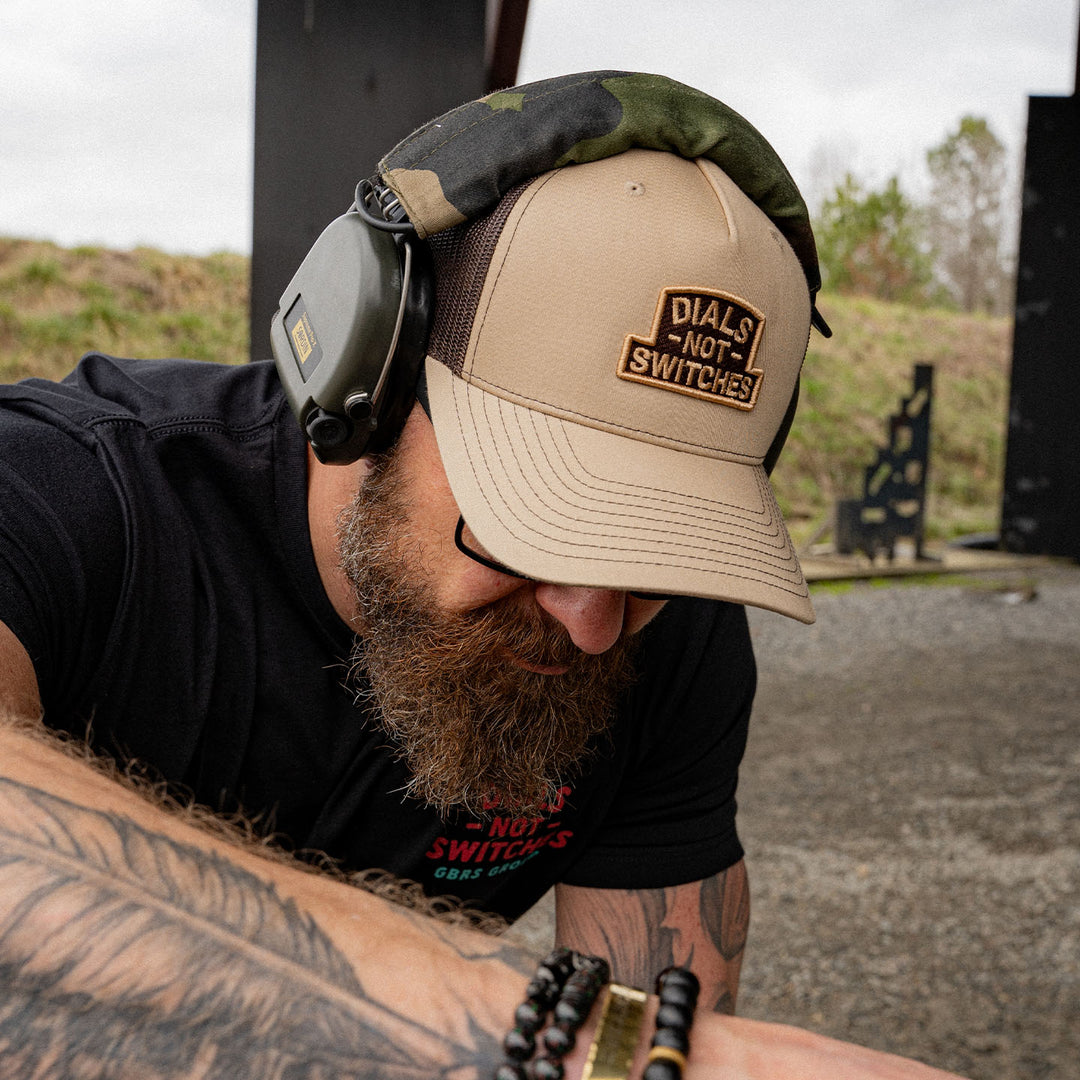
57	303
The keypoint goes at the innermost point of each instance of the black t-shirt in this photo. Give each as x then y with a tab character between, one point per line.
156	564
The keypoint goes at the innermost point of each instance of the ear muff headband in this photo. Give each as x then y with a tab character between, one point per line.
351	330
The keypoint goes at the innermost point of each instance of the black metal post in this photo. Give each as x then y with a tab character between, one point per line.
337	84
1041	500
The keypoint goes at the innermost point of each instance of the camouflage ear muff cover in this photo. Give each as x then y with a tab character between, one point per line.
525	131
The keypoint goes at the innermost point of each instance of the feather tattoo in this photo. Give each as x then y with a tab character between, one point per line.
125	953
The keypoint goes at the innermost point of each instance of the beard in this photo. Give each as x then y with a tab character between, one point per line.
475	731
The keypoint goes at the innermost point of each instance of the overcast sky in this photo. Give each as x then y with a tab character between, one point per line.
130	121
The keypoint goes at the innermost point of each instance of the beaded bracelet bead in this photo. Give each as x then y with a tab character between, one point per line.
542	992
569	1013
566	984
678	990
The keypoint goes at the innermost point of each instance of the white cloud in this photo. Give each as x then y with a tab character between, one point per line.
887	78
128	121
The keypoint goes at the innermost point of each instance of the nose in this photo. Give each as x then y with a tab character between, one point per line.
594	618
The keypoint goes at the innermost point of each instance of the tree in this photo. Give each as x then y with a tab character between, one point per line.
965	219
872	242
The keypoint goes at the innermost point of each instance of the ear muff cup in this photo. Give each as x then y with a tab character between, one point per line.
350	334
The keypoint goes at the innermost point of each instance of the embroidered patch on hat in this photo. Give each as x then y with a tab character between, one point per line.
702	343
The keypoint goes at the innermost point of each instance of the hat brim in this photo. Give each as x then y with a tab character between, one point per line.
563	502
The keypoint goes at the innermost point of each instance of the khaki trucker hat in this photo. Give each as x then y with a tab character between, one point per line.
614	349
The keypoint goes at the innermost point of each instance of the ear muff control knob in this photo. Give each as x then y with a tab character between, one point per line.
325	430
359	408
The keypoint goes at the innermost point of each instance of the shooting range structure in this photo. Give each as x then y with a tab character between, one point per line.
893	503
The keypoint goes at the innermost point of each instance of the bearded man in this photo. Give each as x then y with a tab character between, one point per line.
496	647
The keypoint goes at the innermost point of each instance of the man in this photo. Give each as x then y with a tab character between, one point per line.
495	648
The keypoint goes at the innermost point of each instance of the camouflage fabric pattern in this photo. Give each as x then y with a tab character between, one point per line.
457	167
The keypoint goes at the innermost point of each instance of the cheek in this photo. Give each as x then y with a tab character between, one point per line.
457	583
463	585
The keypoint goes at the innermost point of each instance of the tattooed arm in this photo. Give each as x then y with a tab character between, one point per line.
136	945
702	925
132	944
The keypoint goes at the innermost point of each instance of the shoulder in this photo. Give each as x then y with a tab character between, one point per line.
73	439
154	394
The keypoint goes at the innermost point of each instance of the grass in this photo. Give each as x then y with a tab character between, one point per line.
973	583
56	303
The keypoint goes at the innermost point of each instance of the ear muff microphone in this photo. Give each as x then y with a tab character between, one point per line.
351	330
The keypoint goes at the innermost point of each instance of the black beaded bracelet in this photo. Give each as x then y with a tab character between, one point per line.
678	990
566	984
569	1015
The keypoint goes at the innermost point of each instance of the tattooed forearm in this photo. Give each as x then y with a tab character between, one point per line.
724	903
125	953
702	925
725	911
625	926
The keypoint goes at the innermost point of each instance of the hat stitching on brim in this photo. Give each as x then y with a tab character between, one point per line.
678	504
637	495
611	554
578	417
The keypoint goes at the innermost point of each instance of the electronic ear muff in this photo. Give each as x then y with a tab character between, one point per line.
350	334
351	328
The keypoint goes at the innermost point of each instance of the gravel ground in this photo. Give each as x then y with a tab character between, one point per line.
910	806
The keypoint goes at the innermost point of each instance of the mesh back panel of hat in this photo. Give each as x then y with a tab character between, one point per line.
462	256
